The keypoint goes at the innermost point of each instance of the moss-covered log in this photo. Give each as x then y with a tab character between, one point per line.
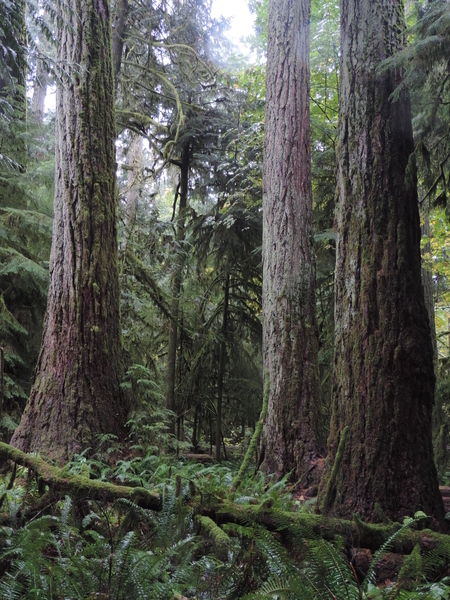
356	533
62	482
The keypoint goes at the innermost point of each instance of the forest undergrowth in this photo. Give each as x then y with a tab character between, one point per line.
206	542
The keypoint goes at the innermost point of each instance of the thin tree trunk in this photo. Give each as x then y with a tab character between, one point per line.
222	360
195	427
428	288
121	11
210	435
134	161
39	91
2	366
76	394
290	336
380	452
177	281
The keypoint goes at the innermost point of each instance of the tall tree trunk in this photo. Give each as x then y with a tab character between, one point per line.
121	10
380	450
77	394
222	359
290	337
196	427
177	280
135	161
428	288
39	91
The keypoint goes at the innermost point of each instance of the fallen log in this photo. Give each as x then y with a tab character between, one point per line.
356	533
205	458
62	482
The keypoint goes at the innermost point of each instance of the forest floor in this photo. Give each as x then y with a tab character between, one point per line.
121	526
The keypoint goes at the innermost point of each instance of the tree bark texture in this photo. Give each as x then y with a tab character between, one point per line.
39	91
76	394
222	360
135	161
121	10
428	288
290	338
184	165
380	449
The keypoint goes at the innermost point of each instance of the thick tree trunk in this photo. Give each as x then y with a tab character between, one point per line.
76	394
290	339
222	359
380	451
177	281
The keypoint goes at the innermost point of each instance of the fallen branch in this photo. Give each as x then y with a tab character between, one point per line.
205	458
62	482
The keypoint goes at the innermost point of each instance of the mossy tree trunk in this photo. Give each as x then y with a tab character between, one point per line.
222	360
76	394
290	338
380	439
177	279
120	16
428	285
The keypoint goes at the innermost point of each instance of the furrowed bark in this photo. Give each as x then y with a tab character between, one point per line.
76	394
290	337
176	283
383	389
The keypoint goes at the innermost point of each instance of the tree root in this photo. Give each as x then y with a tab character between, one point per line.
61	482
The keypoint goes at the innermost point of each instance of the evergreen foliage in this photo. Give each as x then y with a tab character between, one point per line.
25	235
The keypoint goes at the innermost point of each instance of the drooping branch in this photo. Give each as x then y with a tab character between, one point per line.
62	482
